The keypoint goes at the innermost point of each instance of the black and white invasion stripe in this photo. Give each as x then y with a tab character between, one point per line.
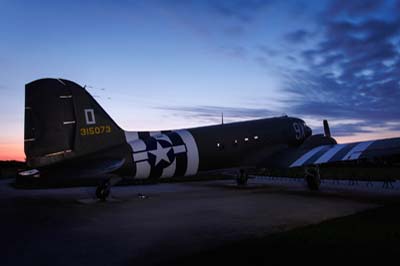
332	153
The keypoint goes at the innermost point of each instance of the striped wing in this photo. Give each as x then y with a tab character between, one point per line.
326	154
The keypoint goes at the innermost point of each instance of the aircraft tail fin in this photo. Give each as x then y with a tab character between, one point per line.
63	121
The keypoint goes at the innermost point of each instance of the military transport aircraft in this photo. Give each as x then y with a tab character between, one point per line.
68	133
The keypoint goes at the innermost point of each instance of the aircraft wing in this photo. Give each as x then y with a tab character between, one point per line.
334	153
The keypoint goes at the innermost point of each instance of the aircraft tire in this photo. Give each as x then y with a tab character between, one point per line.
103	190
313	182
241	180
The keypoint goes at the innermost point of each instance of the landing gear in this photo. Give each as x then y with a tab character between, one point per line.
104	188
312	177
241	180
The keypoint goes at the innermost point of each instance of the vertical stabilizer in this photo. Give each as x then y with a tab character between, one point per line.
63	121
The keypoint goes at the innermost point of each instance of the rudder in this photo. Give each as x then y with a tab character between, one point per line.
63	121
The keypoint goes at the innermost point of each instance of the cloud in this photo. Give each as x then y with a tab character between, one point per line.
393	126
347	129
213	113
352	72
236	51
325	96
297	36
353	47
242	10
346	64
353	7
234	30
215	18
268	51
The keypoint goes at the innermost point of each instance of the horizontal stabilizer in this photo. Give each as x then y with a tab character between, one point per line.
85	169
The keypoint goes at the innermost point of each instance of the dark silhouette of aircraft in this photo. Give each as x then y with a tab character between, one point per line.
68	133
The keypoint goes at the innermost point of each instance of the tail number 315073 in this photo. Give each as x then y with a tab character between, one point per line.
97	130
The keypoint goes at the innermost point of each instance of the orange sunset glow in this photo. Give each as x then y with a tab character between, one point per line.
12	151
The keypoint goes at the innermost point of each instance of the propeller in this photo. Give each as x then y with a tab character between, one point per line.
327	130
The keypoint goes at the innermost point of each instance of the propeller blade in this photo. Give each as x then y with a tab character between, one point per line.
327	130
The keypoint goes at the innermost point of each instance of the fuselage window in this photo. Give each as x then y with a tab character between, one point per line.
246	139
220	146
235	143
256	137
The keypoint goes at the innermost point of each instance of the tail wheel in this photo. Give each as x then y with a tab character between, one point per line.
103	190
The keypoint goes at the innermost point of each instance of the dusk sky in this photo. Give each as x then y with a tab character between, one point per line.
174	64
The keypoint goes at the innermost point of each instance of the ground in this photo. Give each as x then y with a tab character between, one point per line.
198	223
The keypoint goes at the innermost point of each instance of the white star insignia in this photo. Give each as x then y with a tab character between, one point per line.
161	153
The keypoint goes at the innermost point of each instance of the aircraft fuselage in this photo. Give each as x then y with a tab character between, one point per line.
188	151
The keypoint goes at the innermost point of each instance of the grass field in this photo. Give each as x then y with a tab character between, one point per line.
370	237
